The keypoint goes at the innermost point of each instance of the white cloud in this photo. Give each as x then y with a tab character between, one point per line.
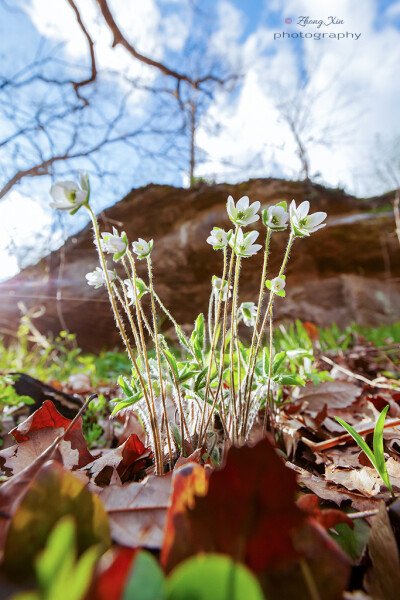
175	32
358	84
139	21
23	221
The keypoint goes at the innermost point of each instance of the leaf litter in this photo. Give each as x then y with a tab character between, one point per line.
282	521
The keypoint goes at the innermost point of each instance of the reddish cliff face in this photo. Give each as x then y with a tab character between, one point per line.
348	271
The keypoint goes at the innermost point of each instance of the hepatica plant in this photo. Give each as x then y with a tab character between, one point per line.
217	378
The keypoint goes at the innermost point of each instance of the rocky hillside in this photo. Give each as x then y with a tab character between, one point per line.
348	271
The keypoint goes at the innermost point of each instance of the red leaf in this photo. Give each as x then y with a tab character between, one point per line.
48	416
188	481
248	513
328	518
130	464
110	583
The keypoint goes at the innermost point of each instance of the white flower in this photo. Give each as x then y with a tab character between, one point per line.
302	223
277	285
115	244
244	245
276	217
97	277
67	195
218	238
242	213
141	289
248	311
142	248
217	283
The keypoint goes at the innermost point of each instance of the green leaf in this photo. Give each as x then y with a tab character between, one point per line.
176	435
146	580
199	379
359	440
125	387
289	380
197	350
378	449
59	574
352	541
212	576
53	494
277	361
172	362
128	402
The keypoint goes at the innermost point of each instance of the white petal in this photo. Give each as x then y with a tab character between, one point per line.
59	205
316	219
303	209
243	203
231	207
253	219
251	237
255	206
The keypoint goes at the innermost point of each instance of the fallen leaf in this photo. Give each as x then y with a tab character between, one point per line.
188	481
37	433
127	460
328	518
329	491
249	511
365	480
54	493
137	511
110	581
383	580
334	394
322	573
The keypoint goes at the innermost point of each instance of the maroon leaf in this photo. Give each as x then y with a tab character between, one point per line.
249	511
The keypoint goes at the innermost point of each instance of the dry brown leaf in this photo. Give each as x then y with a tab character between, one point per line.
19	456
137	511
365	480
125	459
343	457
383	580
37	433
334	394
329	491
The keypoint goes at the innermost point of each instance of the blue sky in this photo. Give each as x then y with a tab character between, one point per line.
350	94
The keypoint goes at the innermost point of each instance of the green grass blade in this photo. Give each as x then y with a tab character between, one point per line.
359	440
378	449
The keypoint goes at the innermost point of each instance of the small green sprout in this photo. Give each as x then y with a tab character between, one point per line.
377	457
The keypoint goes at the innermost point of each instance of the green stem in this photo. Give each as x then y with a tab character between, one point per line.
157	344
234	342
153	421
146	360
203	429
255	328
267	313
